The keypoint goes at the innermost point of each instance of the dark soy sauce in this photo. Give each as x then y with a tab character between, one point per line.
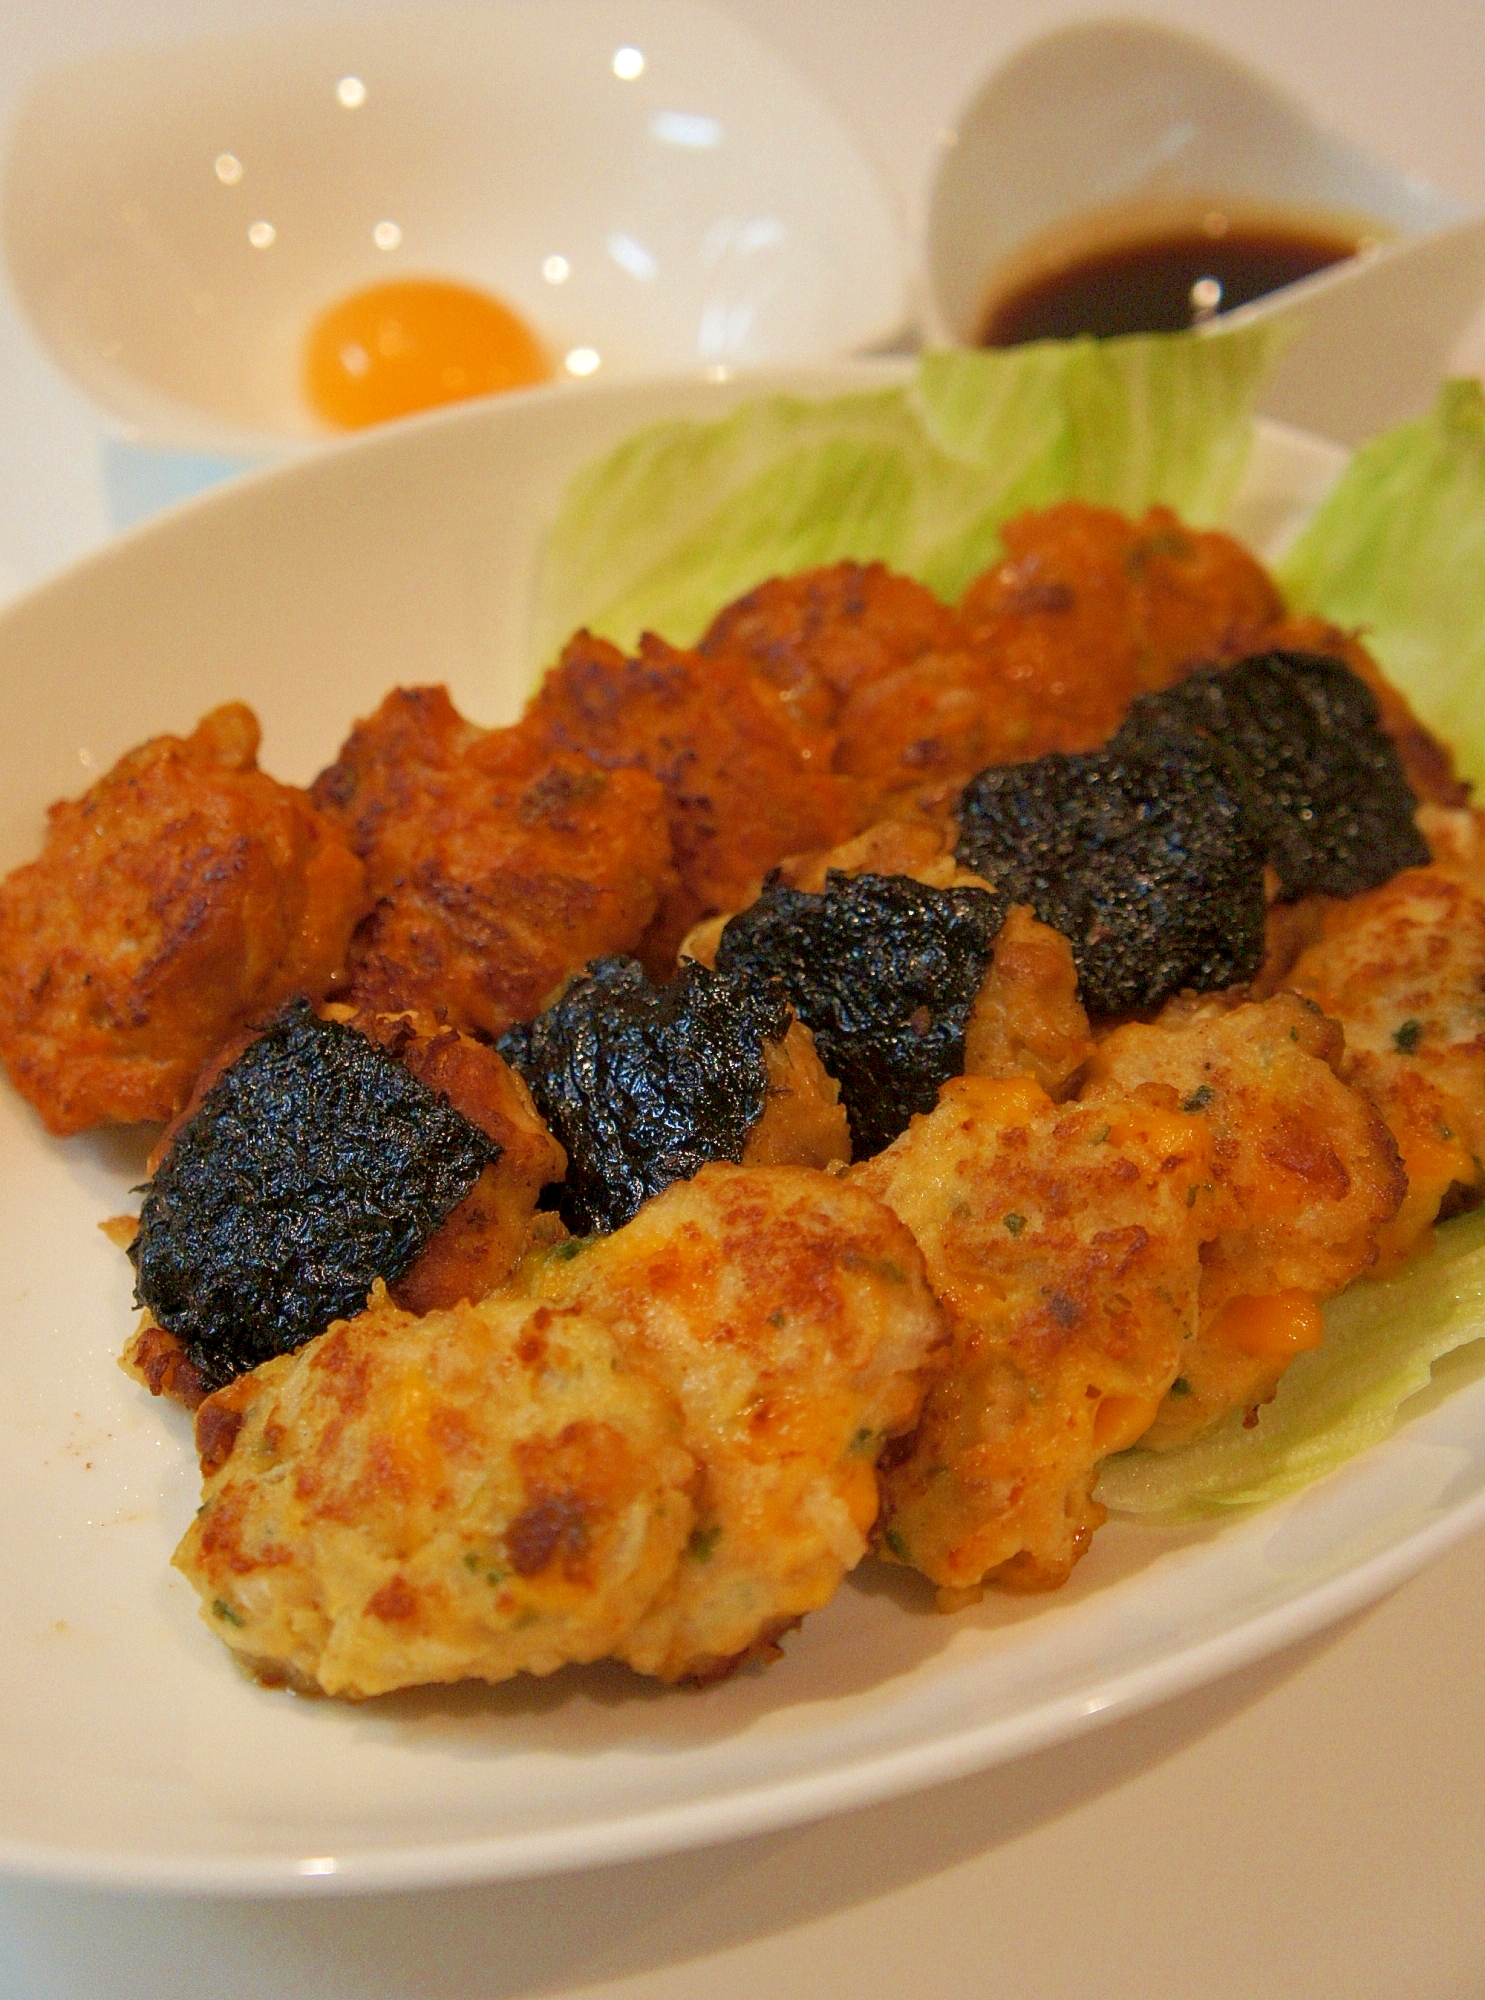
1166	283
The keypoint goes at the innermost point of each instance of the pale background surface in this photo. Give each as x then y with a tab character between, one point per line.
1313	1826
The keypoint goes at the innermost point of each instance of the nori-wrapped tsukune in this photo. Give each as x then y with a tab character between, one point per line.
314	1164
643	1085
884	971
1323	779
1148	861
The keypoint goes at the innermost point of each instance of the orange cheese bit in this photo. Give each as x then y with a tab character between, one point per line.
1166	1134
1270	1329
1002	1101
1120	1420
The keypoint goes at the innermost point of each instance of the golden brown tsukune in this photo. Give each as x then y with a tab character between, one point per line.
1064	1242
499	867
660	1445
1402	970
1305	1179
788	1314
483	1490
183	896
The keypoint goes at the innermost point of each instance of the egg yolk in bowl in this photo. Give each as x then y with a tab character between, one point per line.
408	345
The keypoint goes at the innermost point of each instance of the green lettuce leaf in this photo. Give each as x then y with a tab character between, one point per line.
1382	1339
1398	549
681	518
1124	423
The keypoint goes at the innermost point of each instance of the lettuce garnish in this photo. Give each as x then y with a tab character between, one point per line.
1382	1338
1398	550
684	517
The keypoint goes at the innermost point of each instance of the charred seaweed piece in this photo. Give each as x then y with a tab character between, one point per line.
1147	861
642	1084
884	971
1324	780
314	1164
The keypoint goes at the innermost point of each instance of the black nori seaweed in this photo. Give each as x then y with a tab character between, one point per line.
1304	735
1148	861
884	971
643	1085
315	1164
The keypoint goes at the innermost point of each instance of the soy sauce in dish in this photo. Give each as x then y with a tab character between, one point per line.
1160	283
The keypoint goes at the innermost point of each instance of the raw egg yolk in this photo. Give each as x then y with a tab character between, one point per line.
409	345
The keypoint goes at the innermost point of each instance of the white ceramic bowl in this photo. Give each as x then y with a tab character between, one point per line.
647	185
408	554
1111	120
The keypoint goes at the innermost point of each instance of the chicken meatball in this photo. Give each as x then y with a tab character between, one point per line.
184	895
788	1315
1402	969
499	867
322	1155
745	781
481	1491
821	634
1064	1242
1306	1176
659	1446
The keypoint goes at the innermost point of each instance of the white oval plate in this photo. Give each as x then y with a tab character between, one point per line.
134	1752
